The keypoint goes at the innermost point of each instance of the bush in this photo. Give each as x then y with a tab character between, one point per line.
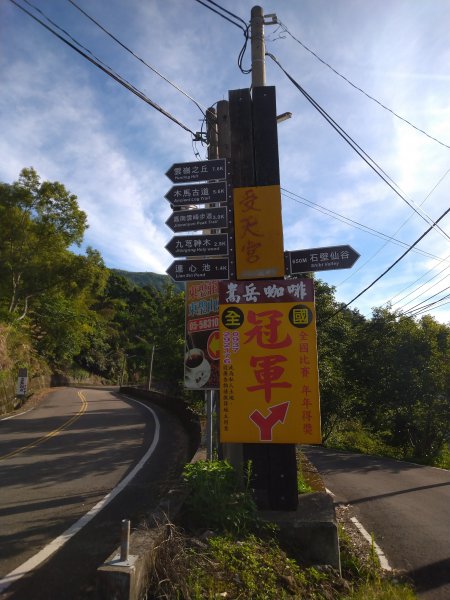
217	498
352	436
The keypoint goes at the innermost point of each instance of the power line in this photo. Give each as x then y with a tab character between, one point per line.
222	15
202	109
108	71
243	26
428	306
351	142
286	30
228	12
421	293
351	222
395	233
387	270
416	306
414	282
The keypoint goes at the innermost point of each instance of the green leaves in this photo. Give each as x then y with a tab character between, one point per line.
39	223
217	498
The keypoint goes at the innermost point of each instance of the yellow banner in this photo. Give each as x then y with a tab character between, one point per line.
258	232
269	380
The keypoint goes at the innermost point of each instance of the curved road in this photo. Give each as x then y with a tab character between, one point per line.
60	460
405	506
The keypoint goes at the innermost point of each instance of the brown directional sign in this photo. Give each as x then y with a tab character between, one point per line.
203	193
197	270
203	170
320	259
198	245
203	218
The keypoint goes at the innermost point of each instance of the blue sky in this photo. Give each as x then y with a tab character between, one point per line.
72	123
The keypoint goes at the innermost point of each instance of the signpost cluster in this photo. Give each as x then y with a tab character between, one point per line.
204	256
250	312
250	322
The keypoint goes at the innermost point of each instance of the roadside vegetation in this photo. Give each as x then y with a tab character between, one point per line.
222	549
384	380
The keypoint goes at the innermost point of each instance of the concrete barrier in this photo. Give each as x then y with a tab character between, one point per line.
128	580
310	533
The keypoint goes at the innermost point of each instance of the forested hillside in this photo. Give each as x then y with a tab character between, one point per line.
385	381
148	279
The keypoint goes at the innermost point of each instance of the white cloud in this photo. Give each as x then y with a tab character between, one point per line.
61	115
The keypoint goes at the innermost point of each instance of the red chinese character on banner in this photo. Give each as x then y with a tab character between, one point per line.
266	327
250	226
249	201
307	429
307	415
267	374
251	250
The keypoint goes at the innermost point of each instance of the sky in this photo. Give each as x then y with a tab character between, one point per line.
74	124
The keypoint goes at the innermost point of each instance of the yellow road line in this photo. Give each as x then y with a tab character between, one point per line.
51	434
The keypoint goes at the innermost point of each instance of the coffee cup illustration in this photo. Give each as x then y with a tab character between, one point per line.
196	369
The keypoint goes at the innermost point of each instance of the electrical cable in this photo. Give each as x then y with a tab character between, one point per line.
109	72
419	312
174	85
428	306
395	233
414	282
367	159
286	30
245	28
421	293
386	270
228	12
242	54
221	15
351	222
413	308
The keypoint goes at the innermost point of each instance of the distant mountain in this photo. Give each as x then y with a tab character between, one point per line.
145	278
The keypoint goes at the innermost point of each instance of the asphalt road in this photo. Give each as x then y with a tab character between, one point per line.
405	506
60	460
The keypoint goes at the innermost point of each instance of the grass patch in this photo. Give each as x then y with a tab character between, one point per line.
245	567
218	499
382	590
352	436
224	551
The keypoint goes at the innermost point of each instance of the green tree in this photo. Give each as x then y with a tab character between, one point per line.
335	334
40	221
403	374
68	323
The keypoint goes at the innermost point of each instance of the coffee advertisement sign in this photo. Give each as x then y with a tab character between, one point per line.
269	381
201	357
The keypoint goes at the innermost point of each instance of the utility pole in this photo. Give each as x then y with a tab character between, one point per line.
150	373
254	164
258	47
212	140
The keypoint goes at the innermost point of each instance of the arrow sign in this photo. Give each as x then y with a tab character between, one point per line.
277	414
203	170
205	193
197	270
320	259
198	245
203	218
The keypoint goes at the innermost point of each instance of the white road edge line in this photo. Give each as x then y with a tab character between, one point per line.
17	415
381	555
57	543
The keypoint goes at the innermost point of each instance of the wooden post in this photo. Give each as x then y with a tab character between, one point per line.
254	156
